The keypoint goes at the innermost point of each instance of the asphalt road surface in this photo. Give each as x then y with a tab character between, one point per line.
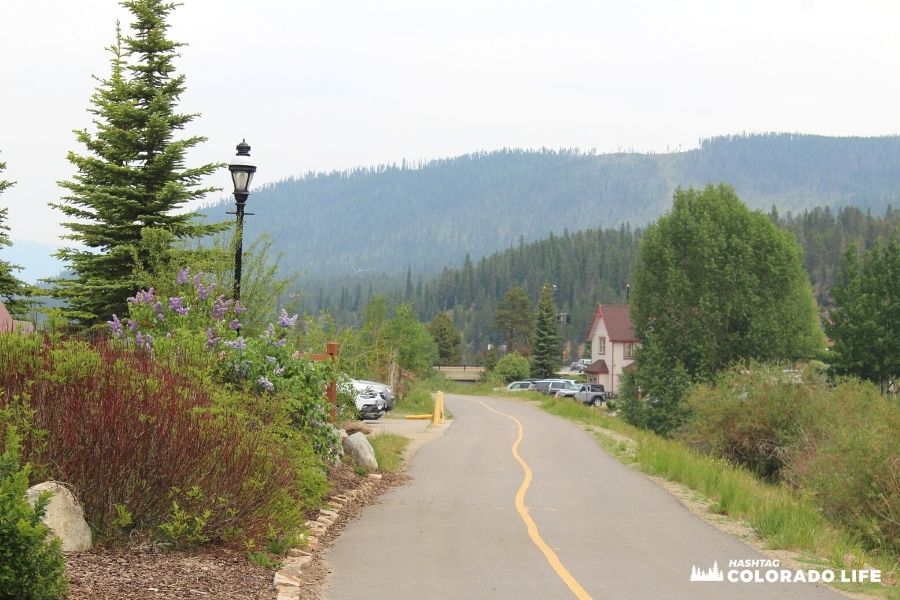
585	527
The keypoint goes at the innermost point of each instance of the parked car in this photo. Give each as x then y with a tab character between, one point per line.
592	394
385	389
518	386
580	365
549	387
370	403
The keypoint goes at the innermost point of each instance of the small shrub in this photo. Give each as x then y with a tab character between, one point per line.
31	565
511	367
853	469
263	559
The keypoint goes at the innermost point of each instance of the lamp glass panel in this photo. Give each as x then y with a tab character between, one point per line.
241	180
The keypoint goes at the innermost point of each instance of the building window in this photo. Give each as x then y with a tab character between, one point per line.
629	350
601	346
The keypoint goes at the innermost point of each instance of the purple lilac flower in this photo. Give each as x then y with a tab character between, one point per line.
183	275
279	343
143	297
238	309
203	291
285	320
265	384
271	360
211	339
279	370
238	344
132	324
235	324
176	304
148	341
158	308
115	326
220	307
139	339
269	333
198	281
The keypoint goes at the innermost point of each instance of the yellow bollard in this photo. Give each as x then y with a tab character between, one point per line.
437	416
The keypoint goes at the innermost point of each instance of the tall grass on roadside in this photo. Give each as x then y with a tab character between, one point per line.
784	517
389	449
417	401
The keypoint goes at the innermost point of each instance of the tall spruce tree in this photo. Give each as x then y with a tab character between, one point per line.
545	357
133	174
865	322
13	291
447	338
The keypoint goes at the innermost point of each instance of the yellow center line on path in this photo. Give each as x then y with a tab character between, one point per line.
533	532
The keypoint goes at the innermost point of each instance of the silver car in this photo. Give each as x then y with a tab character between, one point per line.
385	389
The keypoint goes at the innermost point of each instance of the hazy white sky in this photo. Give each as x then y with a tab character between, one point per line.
317	85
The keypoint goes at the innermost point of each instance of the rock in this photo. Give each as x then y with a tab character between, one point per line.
297	562
352	427
283	579
64	516
360	451
375	476
312	542
297	552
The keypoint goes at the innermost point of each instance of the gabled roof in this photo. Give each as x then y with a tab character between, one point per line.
598	367
617	318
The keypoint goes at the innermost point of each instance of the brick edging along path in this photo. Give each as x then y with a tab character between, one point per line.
287	578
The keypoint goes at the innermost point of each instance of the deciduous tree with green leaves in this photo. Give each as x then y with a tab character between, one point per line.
133	174
13	290
865	321
715	283
447	338
545	355
515	319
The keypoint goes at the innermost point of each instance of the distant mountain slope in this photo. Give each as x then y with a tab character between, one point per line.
394	217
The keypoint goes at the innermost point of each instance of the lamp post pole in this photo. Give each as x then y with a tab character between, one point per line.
240	200
242	170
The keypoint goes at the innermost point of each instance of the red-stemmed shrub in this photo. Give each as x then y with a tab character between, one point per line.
140	444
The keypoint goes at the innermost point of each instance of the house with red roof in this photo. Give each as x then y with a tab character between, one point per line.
612	346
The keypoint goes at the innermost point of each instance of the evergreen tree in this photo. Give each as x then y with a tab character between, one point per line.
133	174
515	318
545	358
12	289
447	338
865	322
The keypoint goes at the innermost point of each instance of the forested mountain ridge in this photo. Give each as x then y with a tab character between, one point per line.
427	216
587	267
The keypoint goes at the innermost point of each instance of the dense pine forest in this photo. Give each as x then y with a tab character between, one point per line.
426	216
586	267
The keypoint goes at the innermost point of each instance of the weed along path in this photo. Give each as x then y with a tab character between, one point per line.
514	503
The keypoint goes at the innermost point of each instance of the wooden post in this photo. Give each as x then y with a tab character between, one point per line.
332	351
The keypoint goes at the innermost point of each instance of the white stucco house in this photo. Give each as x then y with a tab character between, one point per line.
612	346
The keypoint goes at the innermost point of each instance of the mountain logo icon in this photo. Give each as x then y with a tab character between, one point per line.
712	574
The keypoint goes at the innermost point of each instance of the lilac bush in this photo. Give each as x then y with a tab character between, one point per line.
200	324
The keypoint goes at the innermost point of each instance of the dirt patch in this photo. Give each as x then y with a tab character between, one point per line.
151	573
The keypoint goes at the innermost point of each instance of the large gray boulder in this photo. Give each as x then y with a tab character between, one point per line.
358	448
64	516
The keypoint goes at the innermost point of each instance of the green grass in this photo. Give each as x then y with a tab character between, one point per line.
783	517
389	450
417	401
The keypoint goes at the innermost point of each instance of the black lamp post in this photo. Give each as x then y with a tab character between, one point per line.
242	170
